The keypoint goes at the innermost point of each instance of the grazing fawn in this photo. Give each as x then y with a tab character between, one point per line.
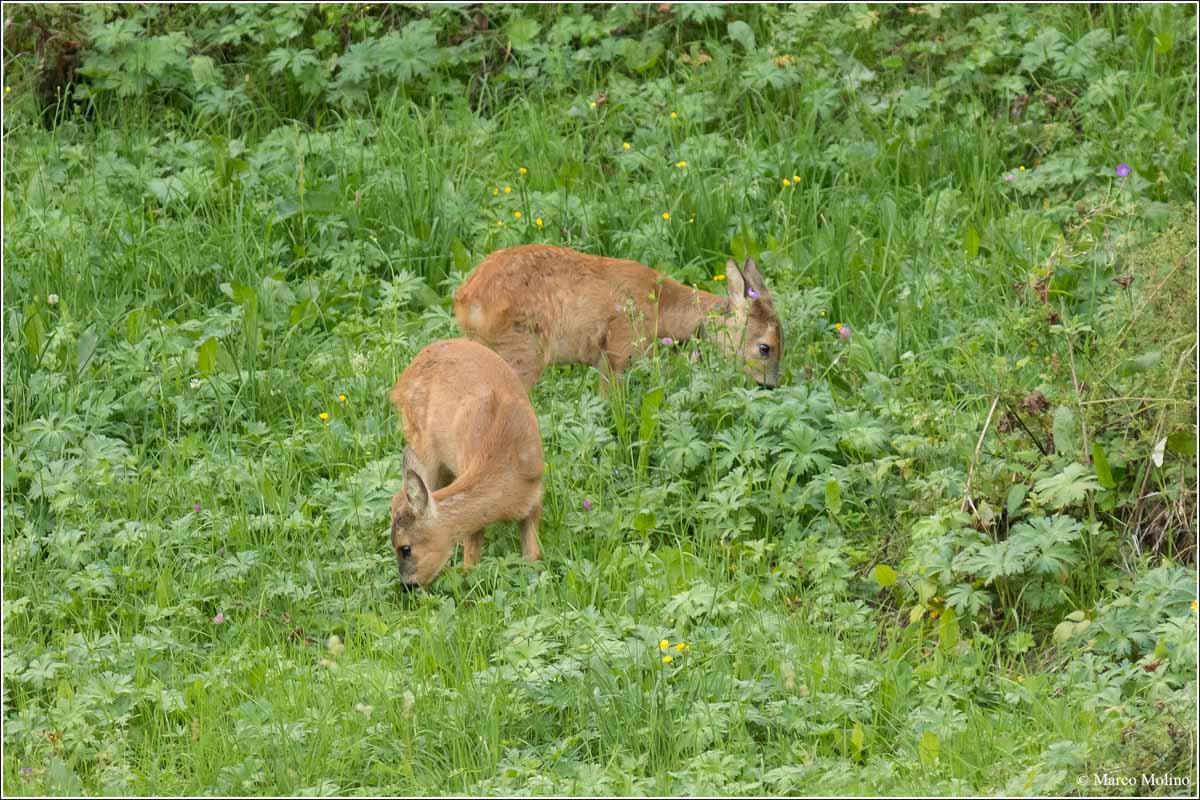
538	305
474	456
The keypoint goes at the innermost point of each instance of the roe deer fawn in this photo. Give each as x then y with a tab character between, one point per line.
474	456
538	305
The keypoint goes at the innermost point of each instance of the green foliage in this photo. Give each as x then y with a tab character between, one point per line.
253	217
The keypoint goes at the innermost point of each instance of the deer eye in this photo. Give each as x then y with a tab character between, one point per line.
764	350
405	551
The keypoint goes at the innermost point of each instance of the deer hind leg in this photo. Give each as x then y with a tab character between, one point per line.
472	549
529	534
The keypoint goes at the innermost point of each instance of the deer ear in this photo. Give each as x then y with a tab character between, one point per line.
754	278
736	283
415	488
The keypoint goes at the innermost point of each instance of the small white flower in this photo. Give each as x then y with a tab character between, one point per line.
409	702
195	383
335	646
52	299
358	361
363	709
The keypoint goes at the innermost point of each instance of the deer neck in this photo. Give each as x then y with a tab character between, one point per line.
685	312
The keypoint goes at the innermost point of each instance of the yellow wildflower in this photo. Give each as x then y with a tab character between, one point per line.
786	182
668	659
718	277
625	145
516	215
508	190
8	90
341	398
674	115
681	647
666	215
795	179
538	222
1195	605
664	644
523	171
592	104
495	191
681	164
324	415
1021	168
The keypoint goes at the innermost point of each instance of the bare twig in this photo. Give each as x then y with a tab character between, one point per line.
1021	422
1087	453
975	458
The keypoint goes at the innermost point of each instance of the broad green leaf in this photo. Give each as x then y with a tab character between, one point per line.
133	325
1182	443
204	72
641	56
162	590
1069	487
884	575
1100	462
207	356
521	30
971	242
1142	363
649	413
1069	628
929	748
1016	497
1066	431
85	348
741	33
833	496
644	520
857	737
462	259
948	630
34	331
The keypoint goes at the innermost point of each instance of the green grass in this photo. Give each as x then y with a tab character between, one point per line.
224	272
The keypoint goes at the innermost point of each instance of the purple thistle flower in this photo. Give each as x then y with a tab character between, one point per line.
219	619
753	294
1009	177
27	771
667	341
196	508
695	355
1122	170
844	332
587	504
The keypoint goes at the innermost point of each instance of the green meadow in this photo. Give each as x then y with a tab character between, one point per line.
953	553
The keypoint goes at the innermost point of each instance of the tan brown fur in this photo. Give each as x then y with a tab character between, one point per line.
474	457
538	305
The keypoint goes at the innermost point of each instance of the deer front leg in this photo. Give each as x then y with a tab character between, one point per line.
529	531
614	353
472	549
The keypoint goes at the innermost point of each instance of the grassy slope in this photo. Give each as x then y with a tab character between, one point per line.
316	260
